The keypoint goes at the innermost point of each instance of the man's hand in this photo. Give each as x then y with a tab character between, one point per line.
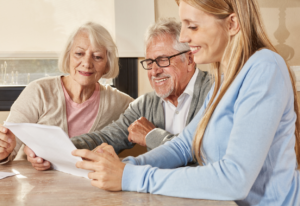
36	162
138	131
108	169
107	148
7	142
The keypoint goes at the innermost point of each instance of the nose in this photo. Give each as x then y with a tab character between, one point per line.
183	36
155	69
87	61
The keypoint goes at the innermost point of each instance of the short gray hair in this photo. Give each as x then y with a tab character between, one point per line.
166	26
99	37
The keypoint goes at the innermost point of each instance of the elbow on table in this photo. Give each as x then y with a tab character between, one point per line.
240	194
237	179
240	189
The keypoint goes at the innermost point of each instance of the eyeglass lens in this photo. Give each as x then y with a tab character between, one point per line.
161	61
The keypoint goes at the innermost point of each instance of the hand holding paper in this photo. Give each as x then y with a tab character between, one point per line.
106	165
7	142
37	162
50	143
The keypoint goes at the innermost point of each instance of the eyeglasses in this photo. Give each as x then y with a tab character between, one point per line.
160	61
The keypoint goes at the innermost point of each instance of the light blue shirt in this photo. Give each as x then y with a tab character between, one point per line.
248	144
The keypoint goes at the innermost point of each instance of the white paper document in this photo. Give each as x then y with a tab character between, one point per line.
6	174
50	143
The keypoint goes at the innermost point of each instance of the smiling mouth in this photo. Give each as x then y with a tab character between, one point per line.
85	73
195	49
160	80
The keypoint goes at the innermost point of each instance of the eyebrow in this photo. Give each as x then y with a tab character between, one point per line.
189	21
163	55
93	52
79	47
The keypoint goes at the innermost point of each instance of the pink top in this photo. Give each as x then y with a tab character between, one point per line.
81	117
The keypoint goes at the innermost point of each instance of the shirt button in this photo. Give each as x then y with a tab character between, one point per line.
176	112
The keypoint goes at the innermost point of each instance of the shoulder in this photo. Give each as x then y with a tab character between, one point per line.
203	77
265	69
148	97
265	58
47	83
203	82
267	63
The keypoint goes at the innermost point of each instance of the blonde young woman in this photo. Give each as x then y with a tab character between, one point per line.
77	102
245	138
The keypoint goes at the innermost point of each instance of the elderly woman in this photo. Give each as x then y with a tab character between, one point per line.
77	103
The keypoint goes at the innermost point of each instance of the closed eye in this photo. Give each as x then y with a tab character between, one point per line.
192	27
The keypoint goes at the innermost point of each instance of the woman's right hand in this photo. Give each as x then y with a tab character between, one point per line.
36	162
7	142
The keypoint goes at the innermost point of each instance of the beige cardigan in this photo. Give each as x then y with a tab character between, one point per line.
43	102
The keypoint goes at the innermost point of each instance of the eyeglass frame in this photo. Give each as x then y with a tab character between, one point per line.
155	60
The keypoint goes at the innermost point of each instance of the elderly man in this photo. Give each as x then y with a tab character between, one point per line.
179	92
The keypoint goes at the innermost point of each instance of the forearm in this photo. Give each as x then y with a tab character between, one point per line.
92	140
188	182
115	134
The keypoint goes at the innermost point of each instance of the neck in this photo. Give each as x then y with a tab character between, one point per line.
77	92
173	99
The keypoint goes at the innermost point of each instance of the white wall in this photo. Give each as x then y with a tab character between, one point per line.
40	28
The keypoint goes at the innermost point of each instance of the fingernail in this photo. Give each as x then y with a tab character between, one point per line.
39	161
46	164
100	150
31	155
9	140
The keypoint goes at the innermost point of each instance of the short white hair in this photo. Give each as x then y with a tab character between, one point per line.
99	37
166	26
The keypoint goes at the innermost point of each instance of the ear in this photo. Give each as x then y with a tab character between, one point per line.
191	63
233	24
190	57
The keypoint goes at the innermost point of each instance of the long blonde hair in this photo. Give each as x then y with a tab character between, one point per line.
247	41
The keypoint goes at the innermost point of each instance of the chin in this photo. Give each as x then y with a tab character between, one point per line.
165	94
85	83
199	60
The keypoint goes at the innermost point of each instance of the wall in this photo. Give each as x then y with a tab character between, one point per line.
46	25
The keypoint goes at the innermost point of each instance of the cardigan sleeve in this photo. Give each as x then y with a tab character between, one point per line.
158	137
258	110
27	108
115	134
